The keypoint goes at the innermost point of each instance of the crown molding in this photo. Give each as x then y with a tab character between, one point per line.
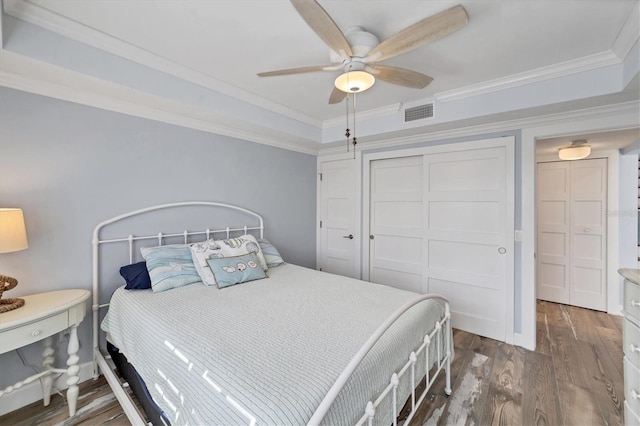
561	69
508	125
44	18
26	74
629	34
365	115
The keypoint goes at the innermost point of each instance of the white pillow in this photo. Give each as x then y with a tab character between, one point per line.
242	245
200	252
211	248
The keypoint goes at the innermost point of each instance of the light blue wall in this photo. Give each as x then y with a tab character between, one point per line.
70	166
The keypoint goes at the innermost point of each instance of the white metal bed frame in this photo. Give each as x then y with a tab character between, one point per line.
101	363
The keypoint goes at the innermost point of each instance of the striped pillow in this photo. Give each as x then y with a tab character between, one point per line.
170	266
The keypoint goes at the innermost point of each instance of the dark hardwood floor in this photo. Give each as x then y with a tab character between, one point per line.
574	377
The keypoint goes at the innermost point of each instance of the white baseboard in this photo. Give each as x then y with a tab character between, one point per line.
32	392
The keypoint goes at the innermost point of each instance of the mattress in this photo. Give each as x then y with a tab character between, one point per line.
266	351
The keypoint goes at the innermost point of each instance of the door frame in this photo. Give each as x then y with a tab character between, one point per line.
508	143
617	118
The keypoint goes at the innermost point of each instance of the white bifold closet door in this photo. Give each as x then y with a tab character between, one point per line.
440	224
572	224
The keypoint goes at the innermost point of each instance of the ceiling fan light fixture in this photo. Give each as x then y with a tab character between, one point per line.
578	150
354	81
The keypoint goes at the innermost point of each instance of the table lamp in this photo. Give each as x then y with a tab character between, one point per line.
13	237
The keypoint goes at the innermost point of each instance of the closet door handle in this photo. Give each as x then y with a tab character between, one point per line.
350	236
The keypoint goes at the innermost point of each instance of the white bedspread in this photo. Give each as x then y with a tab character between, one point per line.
267	351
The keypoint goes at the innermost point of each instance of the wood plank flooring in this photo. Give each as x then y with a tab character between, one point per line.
574	377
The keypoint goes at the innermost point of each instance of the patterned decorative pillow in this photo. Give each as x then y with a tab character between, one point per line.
170	266
200	253
271	254
242	245
236	269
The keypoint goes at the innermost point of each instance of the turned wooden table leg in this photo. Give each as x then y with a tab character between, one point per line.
47	364
73	370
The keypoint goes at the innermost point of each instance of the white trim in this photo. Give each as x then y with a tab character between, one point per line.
561	69
629	34
22	73
32	392
37	14
623	118
499	126
508	143
364	115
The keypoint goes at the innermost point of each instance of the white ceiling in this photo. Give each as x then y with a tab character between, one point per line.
233	40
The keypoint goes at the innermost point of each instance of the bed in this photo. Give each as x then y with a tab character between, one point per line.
297	347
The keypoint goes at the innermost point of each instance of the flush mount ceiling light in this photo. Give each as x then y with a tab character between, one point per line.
578	150
354	81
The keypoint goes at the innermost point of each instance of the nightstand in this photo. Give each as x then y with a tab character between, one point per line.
42	316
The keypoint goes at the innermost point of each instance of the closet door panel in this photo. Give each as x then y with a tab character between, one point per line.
588	233
396	221
554	245
466	243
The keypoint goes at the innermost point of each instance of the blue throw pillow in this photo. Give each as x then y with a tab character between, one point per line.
236	269
136	276
170	266
270	253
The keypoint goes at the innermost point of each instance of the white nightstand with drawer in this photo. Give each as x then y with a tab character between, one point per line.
42	316
631	345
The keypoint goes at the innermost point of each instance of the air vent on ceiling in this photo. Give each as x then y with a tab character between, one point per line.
418	113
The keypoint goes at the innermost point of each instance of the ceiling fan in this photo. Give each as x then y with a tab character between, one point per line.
358	52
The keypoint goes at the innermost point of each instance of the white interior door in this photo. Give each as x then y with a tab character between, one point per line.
337	218
468	236
396	221
588	234
554	226
572	226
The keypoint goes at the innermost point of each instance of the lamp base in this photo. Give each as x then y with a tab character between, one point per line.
7	283
7	305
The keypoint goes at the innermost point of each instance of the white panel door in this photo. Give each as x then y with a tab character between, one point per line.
396	221
588	234
468	236
572	225
337	216
554	231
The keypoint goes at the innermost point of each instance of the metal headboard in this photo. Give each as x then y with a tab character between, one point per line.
130	238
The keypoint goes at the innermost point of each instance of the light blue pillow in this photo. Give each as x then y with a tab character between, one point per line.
236	269
170	266
270	253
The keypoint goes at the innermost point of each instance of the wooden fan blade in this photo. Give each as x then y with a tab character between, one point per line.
401	76
337	96
293	71
421	33
322	24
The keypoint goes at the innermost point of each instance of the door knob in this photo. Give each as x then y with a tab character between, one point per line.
350	236
502	250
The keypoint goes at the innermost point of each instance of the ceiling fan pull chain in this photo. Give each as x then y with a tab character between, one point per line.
347	134
354	126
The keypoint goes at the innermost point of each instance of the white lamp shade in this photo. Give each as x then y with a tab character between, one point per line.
354	81
13	234
575	152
